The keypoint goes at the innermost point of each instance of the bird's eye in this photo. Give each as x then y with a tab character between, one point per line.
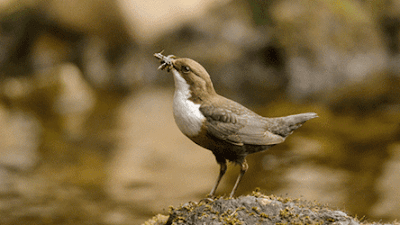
185	69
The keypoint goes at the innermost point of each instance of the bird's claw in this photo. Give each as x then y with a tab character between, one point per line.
166	61
206	200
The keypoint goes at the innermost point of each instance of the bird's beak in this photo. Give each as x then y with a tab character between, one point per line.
167	62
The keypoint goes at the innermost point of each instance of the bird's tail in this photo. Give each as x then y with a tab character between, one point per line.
286	125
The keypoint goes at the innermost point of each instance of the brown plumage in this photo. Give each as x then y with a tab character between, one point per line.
228	129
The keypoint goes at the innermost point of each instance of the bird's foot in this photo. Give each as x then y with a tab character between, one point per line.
209	198
206	200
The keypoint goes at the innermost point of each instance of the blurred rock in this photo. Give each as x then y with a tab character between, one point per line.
40	35
91	17
243	60
19	140
327	44
128	71
154	18
75	102
311	48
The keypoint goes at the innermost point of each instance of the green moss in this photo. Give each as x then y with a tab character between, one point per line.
331	220
255	209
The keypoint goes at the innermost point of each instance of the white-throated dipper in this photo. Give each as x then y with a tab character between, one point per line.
228	129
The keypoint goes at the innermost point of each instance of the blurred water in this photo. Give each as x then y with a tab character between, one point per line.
151	166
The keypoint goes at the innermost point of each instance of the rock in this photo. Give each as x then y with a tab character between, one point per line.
254	209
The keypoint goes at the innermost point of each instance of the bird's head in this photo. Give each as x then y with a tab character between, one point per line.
188	72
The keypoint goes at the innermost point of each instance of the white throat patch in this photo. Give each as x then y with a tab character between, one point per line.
186	113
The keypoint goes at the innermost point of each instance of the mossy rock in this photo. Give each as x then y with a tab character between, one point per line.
253	209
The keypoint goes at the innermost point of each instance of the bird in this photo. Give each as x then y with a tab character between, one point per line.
226	128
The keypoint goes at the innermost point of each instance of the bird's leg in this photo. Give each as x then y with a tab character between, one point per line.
243	170
222	171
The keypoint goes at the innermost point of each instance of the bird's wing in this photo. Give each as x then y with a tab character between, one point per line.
238	125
